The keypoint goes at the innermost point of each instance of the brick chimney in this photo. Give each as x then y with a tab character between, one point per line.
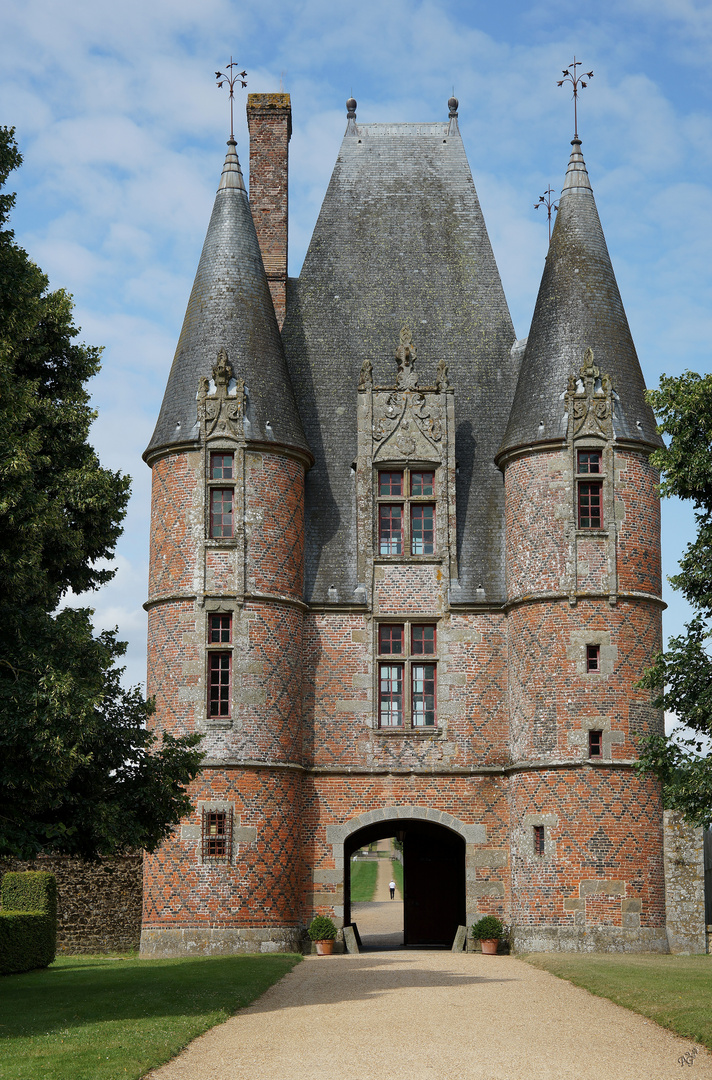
269	118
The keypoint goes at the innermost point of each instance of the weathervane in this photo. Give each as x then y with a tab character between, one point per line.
549	203
231	79
576	81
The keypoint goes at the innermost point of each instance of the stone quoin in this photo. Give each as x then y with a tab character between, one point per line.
405	569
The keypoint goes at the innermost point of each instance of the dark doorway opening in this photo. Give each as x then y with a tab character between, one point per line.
433	878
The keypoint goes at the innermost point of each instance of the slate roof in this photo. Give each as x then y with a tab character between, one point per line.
230	307
578	307
400	240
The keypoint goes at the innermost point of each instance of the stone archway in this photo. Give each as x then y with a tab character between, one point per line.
435	847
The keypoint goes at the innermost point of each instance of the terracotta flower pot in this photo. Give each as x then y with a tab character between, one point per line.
489	945
324	948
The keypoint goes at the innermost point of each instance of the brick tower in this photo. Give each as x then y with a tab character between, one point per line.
226	603
584	606
436	634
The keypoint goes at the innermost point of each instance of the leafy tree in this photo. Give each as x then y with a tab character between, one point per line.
681	677
79	770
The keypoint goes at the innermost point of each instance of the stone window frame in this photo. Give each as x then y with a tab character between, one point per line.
220	446
212	648
593	658
576	652
549	821
407	659
223	818
589	444
609	738
407	501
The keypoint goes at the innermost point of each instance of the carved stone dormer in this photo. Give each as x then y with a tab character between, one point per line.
405	425
221	402
589	402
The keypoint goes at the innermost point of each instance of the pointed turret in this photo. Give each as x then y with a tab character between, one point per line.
578	308
230	308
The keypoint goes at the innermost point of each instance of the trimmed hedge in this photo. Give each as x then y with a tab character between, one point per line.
28	921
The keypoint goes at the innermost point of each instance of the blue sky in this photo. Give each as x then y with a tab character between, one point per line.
123	135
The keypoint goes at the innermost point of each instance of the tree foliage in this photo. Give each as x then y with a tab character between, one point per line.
681	677
79	770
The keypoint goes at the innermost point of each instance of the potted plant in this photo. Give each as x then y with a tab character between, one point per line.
488	931
322	932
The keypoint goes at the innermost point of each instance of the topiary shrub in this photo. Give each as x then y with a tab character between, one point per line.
488	928
28	921
322	928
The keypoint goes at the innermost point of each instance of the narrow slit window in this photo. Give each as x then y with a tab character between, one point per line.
539	840
221	512
220	629
595	744
219	664
593	658
589	505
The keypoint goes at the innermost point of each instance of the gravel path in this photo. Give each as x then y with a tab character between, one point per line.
412	1015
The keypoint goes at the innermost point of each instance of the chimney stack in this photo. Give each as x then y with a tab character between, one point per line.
269	119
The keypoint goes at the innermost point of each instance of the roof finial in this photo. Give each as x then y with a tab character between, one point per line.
351	108
576	81
231	79
549	203
452	105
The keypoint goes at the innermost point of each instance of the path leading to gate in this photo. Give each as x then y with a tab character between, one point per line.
380	921
435	1015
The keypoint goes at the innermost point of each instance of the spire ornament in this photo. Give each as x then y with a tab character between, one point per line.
231	79
577	82
549	203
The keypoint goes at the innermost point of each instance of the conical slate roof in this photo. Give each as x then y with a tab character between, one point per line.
400	241
578	307
230	307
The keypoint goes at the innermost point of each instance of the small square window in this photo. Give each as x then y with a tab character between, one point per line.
595	744
221	512
422	483
589	461
593	658
390	639
539	840
589	505
221	466
422	640
390	483
220	628
217	834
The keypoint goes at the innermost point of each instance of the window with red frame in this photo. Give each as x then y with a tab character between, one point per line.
217	834
589	461
595	744
407	688
219	671
539	840
590	512
221	466
219	628
221	521
593	658
406	521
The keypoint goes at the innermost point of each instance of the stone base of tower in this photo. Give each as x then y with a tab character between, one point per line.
219	940
599	939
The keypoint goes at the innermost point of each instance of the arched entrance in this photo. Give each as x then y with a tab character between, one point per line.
433	877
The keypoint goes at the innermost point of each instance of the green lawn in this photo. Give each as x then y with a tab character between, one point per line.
397	871
114	1018
674	991
363	881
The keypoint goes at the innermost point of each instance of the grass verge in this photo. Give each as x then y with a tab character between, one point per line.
397	871
363	881
116	1017
674	991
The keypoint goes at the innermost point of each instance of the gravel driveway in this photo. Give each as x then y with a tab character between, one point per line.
412	1015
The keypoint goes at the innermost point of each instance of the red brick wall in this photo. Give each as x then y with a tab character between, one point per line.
639	567
269	117
275	523
176	514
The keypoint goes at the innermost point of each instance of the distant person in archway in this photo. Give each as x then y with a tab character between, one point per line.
392	887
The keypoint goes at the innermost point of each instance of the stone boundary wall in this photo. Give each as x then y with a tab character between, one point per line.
684	885
98	904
